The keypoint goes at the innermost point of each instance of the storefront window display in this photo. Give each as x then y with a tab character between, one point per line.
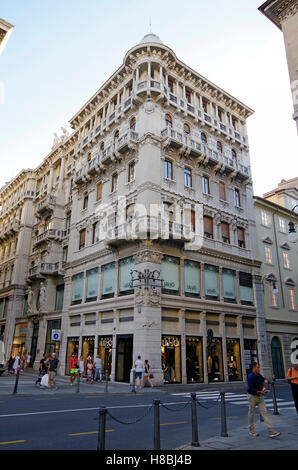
234	359
72	347
250	354
108	279
191	278
214	360
87	349
170	274
105	347
18	346
126	265
171	358
194	359
52	346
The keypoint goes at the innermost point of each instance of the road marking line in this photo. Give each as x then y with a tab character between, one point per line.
10	442
170	424
89	432
39	399
228	417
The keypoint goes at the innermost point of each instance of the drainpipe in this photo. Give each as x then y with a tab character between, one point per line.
278	263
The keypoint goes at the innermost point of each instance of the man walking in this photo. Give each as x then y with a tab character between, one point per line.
256	391
139	369
16	363
292	377
54	365
97	364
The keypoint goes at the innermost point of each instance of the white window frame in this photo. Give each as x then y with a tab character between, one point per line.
273	297
282	225
268	249
286	259
292	298
264	218
205	179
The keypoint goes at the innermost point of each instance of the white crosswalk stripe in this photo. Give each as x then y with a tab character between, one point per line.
238	399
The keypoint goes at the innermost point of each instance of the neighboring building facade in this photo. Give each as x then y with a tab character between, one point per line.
156	133
279	266
5	31
284	14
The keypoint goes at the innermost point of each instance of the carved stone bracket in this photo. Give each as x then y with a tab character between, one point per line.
148	256
151	297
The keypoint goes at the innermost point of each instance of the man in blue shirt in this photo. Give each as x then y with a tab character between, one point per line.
256	391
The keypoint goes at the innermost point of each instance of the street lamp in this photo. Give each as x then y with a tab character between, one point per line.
271	280
293	235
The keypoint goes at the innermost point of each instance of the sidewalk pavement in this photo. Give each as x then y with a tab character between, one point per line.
239	439
27	379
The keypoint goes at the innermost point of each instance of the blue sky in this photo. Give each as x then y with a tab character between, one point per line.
62	51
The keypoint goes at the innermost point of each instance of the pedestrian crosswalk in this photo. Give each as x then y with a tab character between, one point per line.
239	399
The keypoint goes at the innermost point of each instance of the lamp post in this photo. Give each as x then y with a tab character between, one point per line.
271	280
293	235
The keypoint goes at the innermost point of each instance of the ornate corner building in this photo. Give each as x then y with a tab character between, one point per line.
158	134
284	14
5	32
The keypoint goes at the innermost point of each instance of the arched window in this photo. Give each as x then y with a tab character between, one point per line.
133	124
219	147
186	129
203	138
116	135
168	120
234	154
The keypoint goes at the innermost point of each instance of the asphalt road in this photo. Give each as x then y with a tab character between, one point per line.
71	421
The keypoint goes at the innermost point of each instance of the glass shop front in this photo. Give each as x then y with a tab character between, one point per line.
234	360
194	359
171	358
105	348
214	360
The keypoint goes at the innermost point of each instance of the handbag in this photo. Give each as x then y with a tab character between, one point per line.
151	376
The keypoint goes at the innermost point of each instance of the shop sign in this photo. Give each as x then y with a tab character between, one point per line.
56	335
170	342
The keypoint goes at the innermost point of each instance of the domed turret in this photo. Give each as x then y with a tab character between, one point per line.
150	38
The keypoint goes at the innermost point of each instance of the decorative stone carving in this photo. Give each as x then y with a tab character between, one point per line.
30	300
42	297
149	106
148	256
148	296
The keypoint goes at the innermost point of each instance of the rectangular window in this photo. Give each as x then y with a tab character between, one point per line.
222	191
187	177
268	254
95	233
205	105
292	299
65	253
282	225
191	278
85	202
237	197
228	284
168	169
264	218
211	281
99	191
5	309
82	239
59	297
286	259
114	182
225	232
171	86
125	267
108	279
190	219
77	288
208	226
170	273
273	297
241	237
131	172
92	284
245	283
205	184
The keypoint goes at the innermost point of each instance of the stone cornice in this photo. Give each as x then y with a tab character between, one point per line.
278	11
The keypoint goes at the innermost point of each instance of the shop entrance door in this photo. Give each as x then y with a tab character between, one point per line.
72	347
277	361
124	359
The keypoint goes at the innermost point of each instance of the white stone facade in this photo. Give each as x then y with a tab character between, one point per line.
159	133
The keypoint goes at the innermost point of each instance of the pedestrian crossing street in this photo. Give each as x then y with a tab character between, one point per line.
239	399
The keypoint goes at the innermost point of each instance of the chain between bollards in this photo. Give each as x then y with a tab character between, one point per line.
223	415
16	382
275	412
194	421
156	439
101	442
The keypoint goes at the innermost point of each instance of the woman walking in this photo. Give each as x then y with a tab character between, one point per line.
90	371
81	367
147	374
292	377
10	364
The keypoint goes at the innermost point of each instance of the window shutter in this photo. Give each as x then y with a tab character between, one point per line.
208	225
99	191
225	230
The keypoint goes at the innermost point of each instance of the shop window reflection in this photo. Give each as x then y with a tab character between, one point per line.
214	361
171	359
234	360
194	360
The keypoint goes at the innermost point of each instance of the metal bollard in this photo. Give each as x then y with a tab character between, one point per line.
16	382
156	440
194	421
101	442
78	382
275	412
223	415
106	380
133	390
